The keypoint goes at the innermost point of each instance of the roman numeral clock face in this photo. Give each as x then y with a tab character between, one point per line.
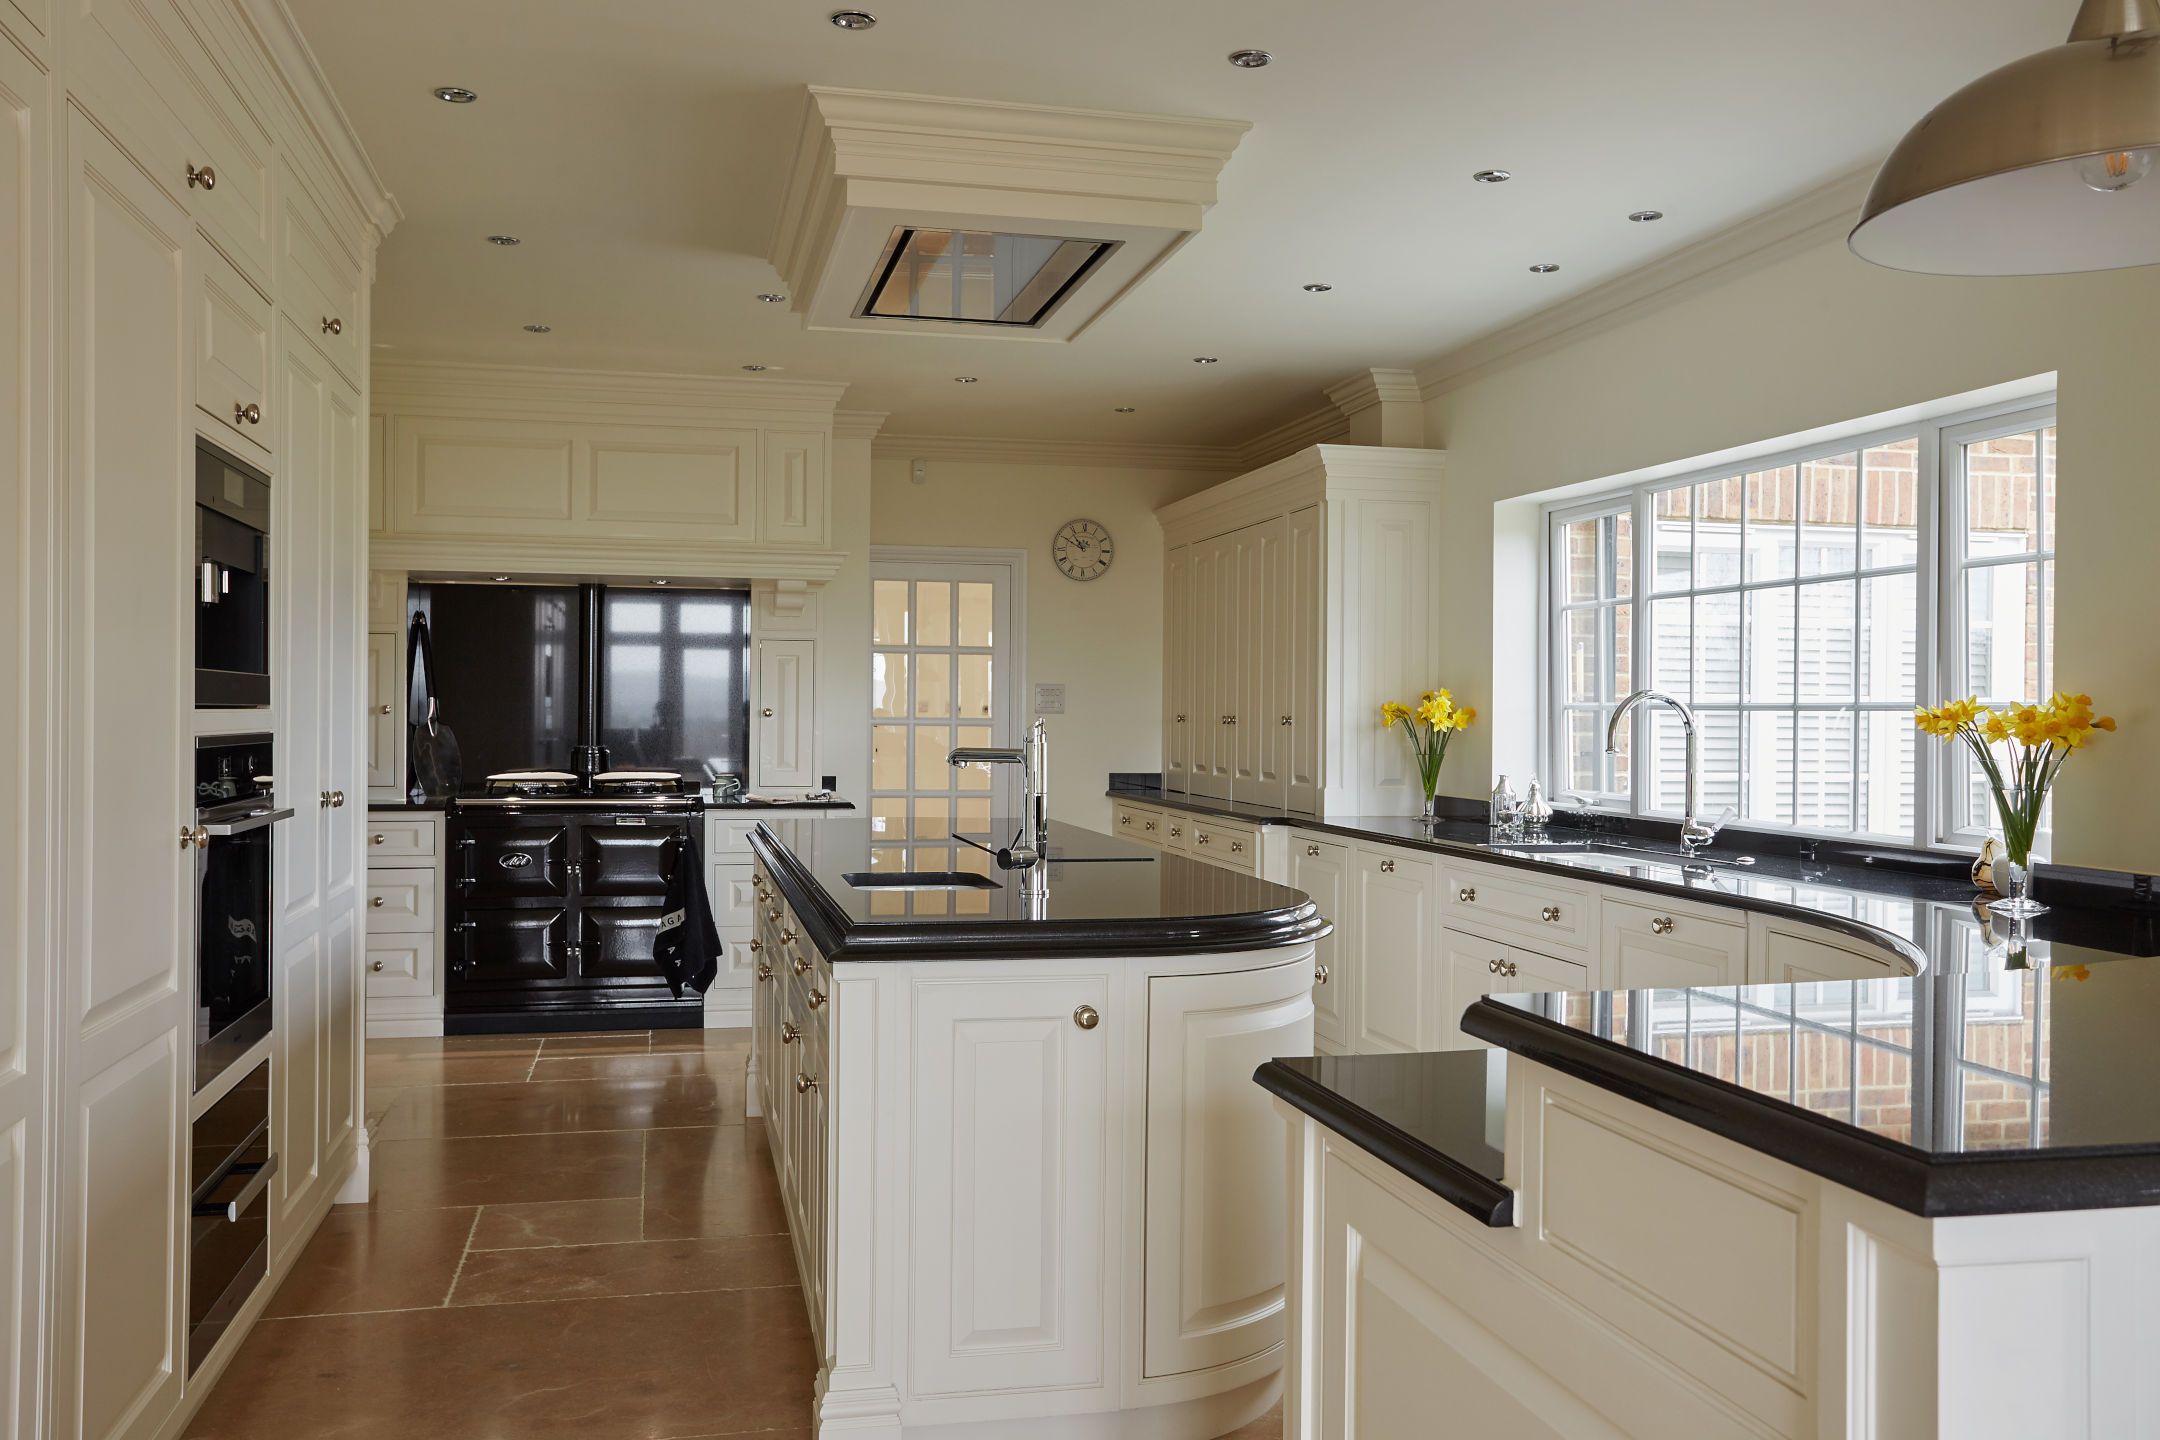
1082	549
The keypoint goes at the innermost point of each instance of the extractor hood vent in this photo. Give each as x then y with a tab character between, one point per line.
910	213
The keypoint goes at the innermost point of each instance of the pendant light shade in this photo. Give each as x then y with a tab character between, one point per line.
2040	168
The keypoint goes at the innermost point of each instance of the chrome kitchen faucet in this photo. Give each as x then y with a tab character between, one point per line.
1034	762
1694	834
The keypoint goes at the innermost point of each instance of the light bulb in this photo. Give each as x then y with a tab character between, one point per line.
2113	169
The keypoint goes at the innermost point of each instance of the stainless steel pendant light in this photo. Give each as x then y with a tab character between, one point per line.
2040	168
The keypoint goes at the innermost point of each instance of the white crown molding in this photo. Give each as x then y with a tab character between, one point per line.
1111	453
1374	387
598	396
319	109
858	424
1315	427
1801	223
540	557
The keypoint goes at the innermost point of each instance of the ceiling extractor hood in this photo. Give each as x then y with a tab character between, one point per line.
919	215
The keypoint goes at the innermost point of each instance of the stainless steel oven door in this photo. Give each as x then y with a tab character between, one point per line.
233	935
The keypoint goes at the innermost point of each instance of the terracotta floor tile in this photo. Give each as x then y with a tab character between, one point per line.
651	1267
559	1222
718	1362
614	1042
367	1258
703	1183
627	1103
506	1170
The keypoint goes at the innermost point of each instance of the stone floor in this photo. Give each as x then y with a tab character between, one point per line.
573	1236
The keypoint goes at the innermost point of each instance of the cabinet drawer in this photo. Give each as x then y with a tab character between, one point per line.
1226	843
1129	821
394	839
734	901
727	839
1651	946
232	349
401	902
1474	966
1547	912
1177	831
1784	953
318	285
400	965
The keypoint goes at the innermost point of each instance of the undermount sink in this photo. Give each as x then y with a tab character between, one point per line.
919	880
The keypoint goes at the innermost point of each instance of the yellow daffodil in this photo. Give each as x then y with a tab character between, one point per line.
2035	741
1429	724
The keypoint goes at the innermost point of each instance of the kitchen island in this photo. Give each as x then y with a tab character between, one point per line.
1031	1187
1901	1206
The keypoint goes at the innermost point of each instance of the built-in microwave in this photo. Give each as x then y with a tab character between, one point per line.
232	581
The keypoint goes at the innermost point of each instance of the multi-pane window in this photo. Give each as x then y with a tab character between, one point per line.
939	649
1791	603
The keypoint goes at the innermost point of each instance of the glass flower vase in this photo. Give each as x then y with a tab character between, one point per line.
2018	808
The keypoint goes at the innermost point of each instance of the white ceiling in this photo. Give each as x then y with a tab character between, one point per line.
639	148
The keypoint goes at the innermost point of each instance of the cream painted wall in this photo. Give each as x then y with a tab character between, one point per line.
1101	639
1812	339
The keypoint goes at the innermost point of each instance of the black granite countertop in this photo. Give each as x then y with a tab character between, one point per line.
2015	1071
1439	1118
756	805
1095	895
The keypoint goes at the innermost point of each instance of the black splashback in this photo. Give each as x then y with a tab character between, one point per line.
506	671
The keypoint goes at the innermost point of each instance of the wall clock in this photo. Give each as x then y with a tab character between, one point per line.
1082	549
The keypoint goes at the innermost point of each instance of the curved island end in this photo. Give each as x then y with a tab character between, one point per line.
1031	1187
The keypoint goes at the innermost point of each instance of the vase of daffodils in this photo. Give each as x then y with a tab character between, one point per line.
2035	742
1430	725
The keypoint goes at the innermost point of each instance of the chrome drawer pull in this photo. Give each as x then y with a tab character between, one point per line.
1551	914
1467	895
1507	968
1387	867
205	177
376	901
1661	925
1237	847
1312	852
1087	1017
1320	974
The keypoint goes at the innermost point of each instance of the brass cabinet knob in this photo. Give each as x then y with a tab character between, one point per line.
1284	721
1320	974
804	1084
1550	914
1086	1017
376	966
766	712
756	945
788	1033
1149	827
1467	895
247	414
802	966
1176	830
1661	925
1237	847
1492	967
205	178
1181	719
377	839
1507	968
816	999
332	325
1312	851
196	837
764	971
773	915
376	901
1387	867
1124	820
787	935
382	709
1202	838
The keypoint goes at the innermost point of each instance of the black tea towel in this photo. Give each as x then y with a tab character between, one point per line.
687	945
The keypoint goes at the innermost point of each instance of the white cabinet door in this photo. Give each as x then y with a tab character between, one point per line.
787	715
385	712
1209	699
1009	1283
1783	952
1321	869
233	341
1472	966
1397	925
1215	1204
1177	668
1302	617
1261	732
26	967
1647	947
794	478
123	1026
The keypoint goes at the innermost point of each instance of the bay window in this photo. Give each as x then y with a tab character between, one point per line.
1802	603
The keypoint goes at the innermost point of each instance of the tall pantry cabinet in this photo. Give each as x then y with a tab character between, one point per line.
1296	599
187	229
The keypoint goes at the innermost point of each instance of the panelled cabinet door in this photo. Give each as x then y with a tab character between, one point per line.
794	479
124	1031
233	339
787	714
1648	947
385	713
1322	870
1263	709
1177	668
1397	914
1012	1180
1203	683
1472	966
1302	617
1221	659
1215	1212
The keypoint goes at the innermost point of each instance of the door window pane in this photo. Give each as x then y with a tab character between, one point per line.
933	743
975	689
933	685
888	757
933	612
888	684
889	612
977	602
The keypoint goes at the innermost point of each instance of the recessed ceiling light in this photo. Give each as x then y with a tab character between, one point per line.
1644	217
498	577
1317	288
1492	177
754	369
659	582
1126	409
538	329
1250	59
852	19
963	379
504	240
772	297
1204	360
1543	267
456	94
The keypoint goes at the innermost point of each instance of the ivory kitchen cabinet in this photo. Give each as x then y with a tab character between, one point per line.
1397	927
786	704
1322	869
1473	965
1664	945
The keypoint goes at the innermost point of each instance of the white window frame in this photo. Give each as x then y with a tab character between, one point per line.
1939	567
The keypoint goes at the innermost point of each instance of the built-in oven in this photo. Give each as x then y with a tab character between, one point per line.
236	810
229	1172
232	581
